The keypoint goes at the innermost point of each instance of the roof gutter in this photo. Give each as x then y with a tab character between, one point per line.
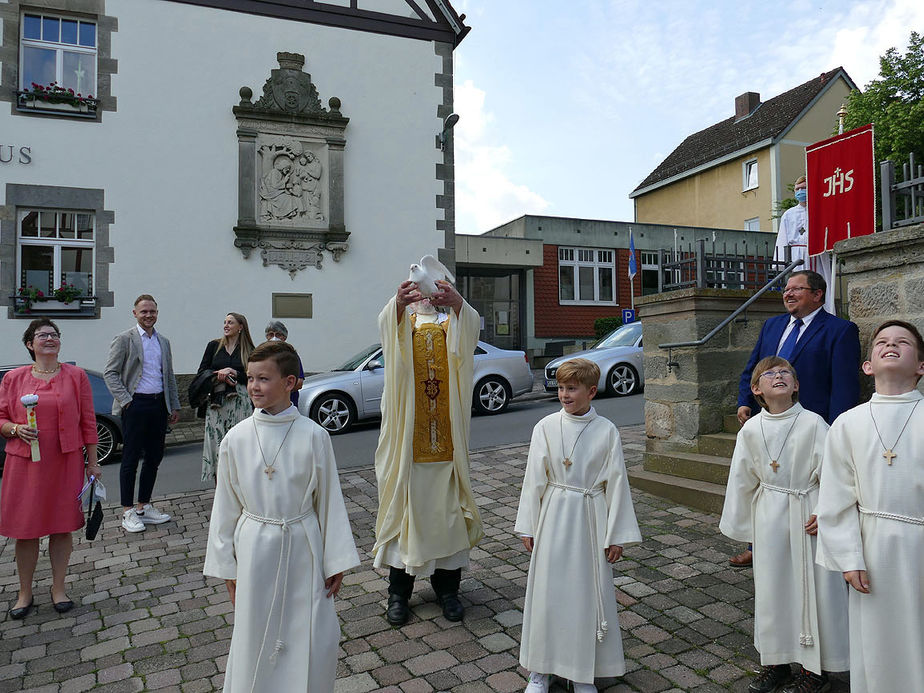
457	26
702	167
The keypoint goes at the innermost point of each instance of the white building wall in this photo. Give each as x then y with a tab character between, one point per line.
167	160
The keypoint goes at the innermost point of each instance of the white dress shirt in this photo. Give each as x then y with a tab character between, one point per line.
152	377
806	321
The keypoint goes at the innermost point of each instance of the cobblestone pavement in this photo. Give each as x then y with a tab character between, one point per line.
147	619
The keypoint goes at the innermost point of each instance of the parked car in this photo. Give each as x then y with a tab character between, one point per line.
353	392
619	356
108	427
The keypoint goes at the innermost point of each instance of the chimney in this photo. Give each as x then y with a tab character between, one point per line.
745	104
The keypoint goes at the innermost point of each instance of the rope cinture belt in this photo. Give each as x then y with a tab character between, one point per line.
285	550
891	516
589	494
806	639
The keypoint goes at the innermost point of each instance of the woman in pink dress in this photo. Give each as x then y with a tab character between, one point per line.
40	498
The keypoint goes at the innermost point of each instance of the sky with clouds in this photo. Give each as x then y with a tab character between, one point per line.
566	106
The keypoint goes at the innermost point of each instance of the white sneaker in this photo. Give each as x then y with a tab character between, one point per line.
150	515
538	683
584	687
131	522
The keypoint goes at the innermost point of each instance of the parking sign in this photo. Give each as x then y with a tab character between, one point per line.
628	315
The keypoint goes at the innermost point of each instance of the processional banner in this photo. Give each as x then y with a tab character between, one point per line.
841	185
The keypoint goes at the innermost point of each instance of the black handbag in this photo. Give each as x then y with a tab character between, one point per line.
94	514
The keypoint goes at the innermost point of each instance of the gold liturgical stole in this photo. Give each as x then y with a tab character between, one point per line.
432	427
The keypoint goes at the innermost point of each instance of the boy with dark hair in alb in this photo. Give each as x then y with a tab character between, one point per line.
279	536
871	515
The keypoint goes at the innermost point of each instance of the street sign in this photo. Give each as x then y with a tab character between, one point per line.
628	315
841	185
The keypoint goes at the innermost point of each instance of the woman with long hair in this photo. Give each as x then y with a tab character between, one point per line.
229	402
39	498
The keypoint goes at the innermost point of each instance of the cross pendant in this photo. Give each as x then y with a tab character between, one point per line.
774	465
888	454
269	471
567	462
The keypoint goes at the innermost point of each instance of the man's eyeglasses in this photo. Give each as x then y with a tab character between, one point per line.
46	336
794	289
783	373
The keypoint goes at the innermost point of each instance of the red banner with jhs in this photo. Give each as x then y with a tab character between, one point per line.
841	186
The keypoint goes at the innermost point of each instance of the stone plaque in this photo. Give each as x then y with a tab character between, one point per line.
290	193
291	305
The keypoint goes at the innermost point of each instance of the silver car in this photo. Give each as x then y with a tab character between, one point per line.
619	356
353	392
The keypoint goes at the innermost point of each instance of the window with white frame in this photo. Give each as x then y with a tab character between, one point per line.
58	50
752	224
749	175
586	275
56	248
649	272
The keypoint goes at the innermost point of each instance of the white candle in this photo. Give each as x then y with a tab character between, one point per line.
29	402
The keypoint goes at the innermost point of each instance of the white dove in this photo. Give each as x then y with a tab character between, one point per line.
425	273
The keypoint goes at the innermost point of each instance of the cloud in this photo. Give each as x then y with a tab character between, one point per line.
485	194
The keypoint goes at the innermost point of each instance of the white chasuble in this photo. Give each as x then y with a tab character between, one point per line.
871	517
280	536
574	512
800	609
427	517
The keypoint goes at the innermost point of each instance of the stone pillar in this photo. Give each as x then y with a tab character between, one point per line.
692	397
884	273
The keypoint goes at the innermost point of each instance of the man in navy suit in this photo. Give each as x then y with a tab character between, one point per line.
824	350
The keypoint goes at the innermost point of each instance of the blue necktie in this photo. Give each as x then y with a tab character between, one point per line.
789	345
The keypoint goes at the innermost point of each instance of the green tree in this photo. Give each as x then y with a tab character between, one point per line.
894	103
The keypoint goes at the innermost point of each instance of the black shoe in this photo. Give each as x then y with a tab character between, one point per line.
398	612
452	607
807	682
770	679
62	607
23	611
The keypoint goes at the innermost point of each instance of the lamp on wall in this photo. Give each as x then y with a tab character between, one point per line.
448	125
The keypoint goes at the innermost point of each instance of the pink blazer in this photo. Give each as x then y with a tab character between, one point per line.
76	419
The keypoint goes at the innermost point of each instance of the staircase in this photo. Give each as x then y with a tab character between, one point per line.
696	479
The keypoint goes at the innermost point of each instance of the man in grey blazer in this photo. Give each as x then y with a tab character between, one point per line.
139	374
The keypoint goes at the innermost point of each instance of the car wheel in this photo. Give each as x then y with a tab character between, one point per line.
622	380
334	412
108	436
492	395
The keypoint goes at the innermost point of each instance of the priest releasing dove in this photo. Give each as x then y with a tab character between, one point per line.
427	519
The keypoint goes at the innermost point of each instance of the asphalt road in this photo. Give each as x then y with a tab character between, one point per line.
179	472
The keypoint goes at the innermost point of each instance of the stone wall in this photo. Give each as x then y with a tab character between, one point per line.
884	273
692	397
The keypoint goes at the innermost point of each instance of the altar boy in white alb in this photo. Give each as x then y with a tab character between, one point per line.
800	609
575	516
871	515
280	538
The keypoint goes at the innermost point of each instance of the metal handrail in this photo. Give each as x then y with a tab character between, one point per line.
718	328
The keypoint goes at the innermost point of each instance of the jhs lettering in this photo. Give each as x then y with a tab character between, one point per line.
839	182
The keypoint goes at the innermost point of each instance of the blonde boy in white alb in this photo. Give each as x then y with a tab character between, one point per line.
871	516
575	516
800	609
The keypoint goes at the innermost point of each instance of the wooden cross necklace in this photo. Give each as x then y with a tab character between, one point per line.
888	454
566	460
270	469
774	464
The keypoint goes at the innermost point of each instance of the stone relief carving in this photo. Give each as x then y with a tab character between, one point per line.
290	195
290	187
